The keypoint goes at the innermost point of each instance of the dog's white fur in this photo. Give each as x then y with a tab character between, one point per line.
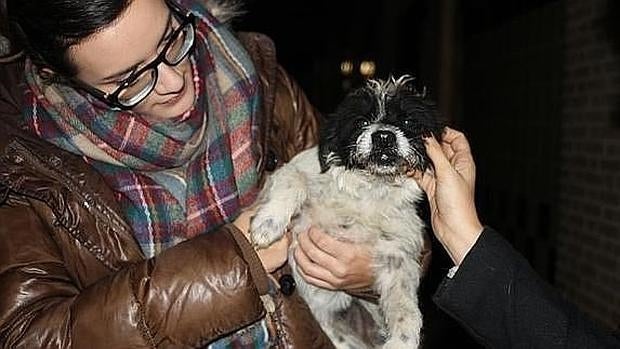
360	207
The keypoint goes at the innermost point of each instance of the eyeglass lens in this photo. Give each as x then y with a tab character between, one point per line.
143	84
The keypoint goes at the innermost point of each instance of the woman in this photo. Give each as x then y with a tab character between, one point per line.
132	135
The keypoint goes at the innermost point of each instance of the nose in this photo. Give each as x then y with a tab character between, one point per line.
170	79
383	138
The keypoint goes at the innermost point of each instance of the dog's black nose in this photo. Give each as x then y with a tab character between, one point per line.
383	138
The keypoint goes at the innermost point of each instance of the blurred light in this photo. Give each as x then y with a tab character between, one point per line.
367	68
346	68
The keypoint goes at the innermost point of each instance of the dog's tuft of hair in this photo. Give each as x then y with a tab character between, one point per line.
389	87
379	128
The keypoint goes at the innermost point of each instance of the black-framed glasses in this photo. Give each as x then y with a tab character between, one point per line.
135	88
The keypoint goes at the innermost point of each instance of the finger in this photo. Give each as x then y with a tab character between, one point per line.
314	281
316	253
457	140
463	160
447	149
415	174
437	156
312	271
427	183
327	243
424	179
466	168
450	134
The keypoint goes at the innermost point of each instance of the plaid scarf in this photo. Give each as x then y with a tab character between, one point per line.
173	180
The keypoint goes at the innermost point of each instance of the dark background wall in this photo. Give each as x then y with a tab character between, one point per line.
313	38
536	86
588	236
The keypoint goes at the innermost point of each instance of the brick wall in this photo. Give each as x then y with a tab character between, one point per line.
588	237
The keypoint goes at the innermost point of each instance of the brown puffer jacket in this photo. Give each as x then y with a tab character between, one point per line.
71	273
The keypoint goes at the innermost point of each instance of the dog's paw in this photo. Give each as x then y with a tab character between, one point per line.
266	229
402	342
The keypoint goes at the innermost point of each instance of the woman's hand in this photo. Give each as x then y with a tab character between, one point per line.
450	189
272	257
329	263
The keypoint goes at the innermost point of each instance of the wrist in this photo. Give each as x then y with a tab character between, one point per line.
459	241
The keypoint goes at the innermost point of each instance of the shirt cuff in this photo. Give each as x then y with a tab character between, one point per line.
452	271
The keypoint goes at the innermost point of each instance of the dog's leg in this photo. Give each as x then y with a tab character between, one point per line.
398	277
281	198
342	338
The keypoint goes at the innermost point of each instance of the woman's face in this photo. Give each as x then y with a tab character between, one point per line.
135	39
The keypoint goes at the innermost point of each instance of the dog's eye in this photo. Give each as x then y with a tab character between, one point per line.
362	122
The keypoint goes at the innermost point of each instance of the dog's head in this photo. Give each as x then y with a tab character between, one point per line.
379	129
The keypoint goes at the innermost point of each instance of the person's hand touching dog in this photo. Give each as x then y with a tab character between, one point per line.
450	187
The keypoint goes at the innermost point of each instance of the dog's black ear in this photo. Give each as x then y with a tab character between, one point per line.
438	123
328	143
435	128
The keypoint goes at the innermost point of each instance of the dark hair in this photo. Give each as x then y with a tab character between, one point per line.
7	48
48	28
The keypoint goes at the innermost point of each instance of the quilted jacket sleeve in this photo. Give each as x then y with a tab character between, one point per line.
187	296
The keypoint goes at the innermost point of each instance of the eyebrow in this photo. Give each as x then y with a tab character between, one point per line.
163	37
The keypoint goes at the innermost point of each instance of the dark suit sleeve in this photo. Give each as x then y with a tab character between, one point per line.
503	303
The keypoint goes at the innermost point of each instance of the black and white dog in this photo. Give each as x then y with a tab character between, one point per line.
353	186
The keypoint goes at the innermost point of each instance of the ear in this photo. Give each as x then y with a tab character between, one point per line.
328	143
46	73
46	70
439	123
436	128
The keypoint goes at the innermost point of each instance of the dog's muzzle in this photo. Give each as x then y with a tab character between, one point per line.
384	148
